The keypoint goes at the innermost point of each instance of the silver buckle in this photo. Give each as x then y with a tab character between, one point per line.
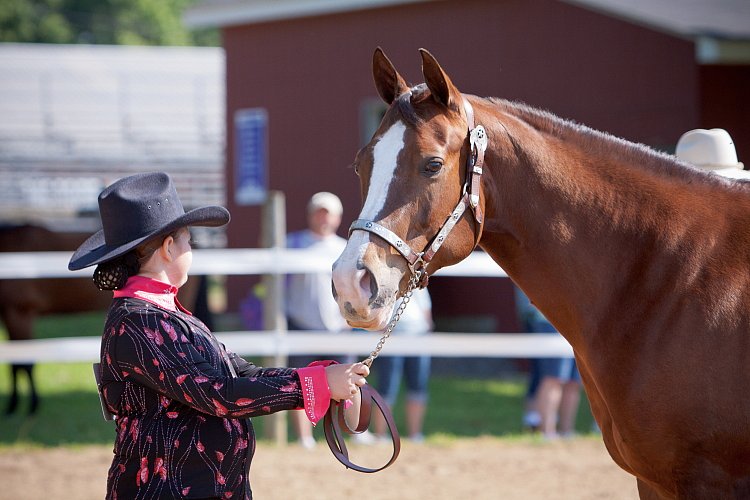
478	138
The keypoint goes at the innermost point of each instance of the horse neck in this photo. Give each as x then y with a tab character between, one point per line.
577	217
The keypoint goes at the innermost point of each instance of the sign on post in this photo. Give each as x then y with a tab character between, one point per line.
250	156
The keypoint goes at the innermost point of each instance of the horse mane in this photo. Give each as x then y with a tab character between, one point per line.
649	159
595	141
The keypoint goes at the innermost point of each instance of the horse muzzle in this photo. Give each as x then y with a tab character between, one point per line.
364	287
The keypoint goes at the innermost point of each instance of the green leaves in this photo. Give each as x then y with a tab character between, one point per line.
115	22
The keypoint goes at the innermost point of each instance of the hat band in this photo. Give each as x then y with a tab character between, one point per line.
721	166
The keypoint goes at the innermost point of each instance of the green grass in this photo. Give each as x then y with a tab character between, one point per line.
70	415
69	325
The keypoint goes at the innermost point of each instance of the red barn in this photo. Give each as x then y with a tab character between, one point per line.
644	70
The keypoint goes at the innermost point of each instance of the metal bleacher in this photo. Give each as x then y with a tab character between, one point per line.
73	118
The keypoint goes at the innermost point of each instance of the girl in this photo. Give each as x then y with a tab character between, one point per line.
181	400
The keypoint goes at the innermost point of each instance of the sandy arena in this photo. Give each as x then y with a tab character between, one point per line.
483	468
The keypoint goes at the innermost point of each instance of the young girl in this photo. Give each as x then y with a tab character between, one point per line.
181	400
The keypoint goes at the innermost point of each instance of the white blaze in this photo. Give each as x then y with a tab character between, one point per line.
347	278
385	156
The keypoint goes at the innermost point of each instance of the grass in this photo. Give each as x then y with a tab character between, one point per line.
69	414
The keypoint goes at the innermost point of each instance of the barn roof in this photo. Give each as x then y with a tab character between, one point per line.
212	13
724	19
721	28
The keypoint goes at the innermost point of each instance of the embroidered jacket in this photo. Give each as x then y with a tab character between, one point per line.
182	429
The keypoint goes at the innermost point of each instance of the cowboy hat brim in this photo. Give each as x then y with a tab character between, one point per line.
95	250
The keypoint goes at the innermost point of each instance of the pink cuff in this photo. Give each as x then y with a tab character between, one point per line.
315	392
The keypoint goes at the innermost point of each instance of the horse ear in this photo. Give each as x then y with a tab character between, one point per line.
389	83
437	81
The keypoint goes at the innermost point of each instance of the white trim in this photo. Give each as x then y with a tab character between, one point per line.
241	12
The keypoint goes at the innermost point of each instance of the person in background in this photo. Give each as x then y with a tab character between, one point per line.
416	320
309	303
711	150
181	401
531	420
558	393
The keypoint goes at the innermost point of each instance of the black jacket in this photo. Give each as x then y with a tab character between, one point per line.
182	426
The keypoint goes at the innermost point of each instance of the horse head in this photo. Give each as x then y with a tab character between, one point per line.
413	178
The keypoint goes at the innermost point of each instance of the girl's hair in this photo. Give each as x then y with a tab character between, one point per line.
113	274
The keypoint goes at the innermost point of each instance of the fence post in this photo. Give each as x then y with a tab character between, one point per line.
273	235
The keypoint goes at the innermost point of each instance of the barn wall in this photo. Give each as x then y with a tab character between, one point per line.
313	74
724	103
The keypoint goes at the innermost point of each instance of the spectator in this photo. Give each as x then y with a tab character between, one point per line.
416	320
558	393
309	303
711	150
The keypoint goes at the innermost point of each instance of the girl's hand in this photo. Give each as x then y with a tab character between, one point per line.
344	380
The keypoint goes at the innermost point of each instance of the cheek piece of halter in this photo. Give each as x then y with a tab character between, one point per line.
418	261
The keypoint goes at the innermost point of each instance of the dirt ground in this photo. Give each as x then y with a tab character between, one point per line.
483	468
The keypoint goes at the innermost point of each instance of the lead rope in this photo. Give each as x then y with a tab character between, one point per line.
413	283
335	424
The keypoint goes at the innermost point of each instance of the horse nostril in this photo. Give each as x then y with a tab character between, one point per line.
333	291
368	284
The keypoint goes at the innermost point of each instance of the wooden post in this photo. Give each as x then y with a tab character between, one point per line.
274	319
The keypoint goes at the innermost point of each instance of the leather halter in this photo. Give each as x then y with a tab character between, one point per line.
418	261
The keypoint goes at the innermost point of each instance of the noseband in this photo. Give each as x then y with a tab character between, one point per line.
418	261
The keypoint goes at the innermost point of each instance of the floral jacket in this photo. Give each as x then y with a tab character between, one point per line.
182	426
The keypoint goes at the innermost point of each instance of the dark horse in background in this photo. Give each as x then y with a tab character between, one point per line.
642	263
22	300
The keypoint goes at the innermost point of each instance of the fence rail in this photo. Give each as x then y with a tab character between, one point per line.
226	262
280	343
272	343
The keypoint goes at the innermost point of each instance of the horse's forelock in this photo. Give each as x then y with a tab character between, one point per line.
405	103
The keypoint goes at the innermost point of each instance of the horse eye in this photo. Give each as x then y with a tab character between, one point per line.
433	166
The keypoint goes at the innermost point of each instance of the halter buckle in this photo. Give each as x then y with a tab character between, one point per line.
419	267
478	138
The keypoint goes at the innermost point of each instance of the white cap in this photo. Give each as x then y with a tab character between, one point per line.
710	149
326	200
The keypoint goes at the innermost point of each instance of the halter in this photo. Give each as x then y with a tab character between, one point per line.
418	261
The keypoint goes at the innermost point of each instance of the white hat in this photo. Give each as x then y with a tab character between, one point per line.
710	149
326	200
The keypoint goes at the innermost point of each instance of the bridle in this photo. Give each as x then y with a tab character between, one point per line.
335	424
418	261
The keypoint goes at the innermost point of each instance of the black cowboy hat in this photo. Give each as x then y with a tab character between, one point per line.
135	209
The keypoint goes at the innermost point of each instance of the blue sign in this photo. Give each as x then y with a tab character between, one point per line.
250	156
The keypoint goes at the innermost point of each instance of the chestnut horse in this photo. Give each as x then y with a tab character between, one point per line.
22	300
640	261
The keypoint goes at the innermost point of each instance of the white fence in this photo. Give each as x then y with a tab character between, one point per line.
280	343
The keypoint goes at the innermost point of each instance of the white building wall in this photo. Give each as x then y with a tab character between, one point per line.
74	118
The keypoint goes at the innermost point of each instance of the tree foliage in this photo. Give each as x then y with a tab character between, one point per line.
115	22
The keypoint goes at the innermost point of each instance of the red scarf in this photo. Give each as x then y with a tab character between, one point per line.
157	292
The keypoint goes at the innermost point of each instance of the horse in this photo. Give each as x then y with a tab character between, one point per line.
22	300
642	263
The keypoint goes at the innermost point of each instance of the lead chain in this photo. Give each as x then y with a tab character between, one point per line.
413	282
